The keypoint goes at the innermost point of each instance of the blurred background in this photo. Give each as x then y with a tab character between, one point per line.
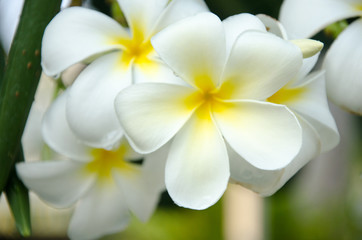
322	202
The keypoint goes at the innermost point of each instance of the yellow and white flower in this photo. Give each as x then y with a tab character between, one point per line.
228	76
119	56
304	95
105	183
305	18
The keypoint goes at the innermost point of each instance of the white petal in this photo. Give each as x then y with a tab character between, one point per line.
57	134
60	183
179	9
305	18
194	48
237	24
310	101
152	113
308	65
259	64
90	103
197	168
140	198
267	182
273	26
154	168
343	69
76	34
9	18
142	15
102	211
267	135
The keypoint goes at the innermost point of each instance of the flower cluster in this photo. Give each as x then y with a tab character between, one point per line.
203	102
342	61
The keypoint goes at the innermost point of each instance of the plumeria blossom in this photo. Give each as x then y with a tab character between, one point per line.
304	18
230	69
118	57
304	95
105	183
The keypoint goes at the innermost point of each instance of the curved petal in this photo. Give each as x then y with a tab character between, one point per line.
57	134
179	9
343	69
273	26
194	48
140	198
305	18
152	113
267	135
237	24
90	102
76	34
154	165
310	100
159	72
267	182
259	65
102	211
60	183
142	15
197	168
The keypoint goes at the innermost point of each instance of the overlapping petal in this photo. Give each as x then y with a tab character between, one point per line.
199	58
152	113
310	100
343	69
259	65
90	103
60	183
305	18
267	182
136	189
197	169
76	34
268	136
142	15
57	134
237	24
102	211
179	9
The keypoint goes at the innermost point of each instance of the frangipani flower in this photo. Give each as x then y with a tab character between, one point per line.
105	183
228	76
304	18
305	96
119	56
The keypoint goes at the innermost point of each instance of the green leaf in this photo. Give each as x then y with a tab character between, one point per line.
18	199
21	78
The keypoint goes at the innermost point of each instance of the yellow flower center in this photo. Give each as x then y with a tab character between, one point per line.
104	161
209	98
137	49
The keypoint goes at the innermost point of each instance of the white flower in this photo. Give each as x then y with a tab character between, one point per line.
304	18
304	95
228	77
105	183
119	56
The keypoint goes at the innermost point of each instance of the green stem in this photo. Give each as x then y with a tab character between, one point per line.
21	78
18	199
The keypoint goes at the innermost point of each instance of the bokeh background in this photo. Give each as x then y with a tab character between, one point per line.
322	202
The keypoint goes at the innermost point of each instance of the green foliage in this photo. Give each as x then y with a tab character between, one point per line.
20	80
18	199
